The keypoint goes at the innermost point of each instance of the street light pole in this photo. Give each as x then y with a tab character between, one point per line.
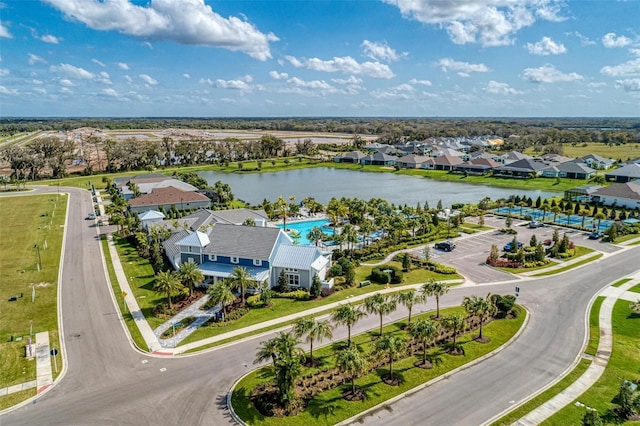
39	259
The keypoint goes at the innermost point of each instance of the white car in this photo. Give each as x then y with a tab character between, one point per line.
91	216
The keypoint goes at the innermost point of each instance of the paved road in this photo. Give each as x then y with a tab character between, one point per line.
110	383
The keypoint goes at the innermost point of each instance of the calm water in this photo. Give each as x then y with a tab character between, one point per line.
326	182
305	226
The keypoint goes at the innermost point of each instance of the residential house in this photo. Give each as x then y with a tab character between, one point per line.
597	162
624	174
151	218
619	194
524	168
477	166
168	197
570	170
512	157
446	162
147	183
350	157
379	159
411	161
581	193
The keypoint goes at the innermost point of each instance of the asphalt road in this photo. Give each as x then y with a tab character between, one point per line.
108	382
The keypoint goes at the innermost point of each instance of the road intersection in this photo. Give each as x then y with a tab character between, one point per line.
107	381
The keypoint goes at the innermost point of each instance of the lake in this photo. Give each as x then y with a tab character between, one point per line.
323	183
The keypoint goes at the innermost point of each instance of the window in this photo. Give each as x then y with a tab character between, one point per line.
257	262
294	280
234	259
190	259
213	257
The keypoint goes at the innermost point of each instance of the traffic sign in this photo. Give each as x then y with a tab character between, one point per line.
54	352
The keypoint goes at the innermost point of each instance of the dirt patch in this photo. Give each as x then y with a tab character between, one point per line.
356	394
483	339
391	379
426	364
457	351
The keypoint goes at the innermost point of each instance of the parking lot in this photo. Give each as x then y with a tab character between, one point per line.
471	251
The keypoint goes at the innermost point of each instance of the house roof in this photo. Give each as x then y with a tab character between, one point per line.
249	242
630	170
238	216
483	161
447	160
629	190
524	165
151	214
513	156
571	167
168	195
598	158
413	159
138	178
194	239
380	156
355	155
170	246
296	257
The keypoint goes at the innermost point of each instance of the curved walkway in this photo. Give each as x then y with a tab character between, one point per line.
597	366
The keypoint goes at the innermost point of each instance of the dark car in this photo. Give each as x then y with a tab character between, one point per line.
507	247
90	216
535	224
595	235
445	245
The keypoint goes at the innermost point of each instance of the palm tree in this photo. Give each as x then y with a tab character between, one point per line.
267	351
424	331
288	366
366	228
392	346
350	235
351	362
315	234
281	206
480	308
436	289
241	279
455	324
315	331
167	283
555	210
347	315
380	305
221	294
190	275
599	216
408	299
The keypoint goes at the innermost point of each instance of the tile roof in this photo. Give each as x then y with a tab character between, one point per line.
629	190
249	242
168	195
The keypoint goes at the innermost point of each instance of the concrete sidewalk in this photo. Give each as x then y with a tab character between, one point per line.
44	375
563	264
597	367
130	299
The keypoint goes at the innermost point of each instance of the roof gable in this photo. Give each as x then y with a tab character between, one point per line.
168	195
248	242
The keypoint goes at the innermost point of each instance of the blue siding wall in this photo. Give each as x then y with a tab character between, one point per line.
241	262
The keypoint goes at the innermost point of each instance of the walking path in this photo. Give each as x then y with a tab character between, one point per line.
44	376
598	364
192	311
130	299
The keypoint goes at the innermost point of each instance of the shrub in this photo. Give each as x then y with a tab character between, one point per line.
295	294
440	268
254	300
379	275
336	270
325	292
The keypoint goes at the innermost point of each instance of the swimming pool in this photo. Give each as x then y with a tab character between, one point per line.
303	228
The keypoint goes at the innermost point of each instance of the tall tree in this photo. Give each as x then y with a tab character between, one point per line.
351	363
240	279
424	331
168	284
347	315
482	308
391	346
408	299
221	294
380	305
436	289
190	275
456	325
315	234
316	331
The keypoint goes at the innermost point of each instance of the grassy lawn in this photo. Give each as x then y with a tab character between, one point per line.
619	283
594	338
568	267
635	289
414	276
627	237
16	398
521	270
622	364
625	151
330	408
27	221
128	319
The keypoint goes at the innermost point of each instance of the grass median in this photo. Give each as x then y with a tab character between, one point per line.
329	407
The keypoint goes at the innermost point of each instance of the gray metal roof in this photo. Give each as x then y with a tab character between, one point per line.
297	257
249	242
238	216
630	170
170	246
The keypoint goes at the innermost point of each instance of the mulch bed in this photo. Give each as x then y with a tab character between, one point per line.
426	365
391	379
349	395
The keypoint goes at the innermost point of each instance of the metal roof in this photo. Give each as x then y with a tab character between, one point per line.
248	242
297	257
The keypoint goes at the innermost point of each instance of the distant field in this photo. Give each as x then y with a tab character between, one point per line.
27	221
616	152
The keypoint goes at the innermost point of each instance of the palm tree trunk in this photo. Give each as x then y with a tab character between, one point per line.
348	336
353	384
390	366
380	325
409	319
169	299
437	306
311	353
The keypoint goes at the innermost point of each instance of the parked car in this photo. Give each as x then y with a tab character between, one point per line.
507	247
535	224
90	216
445	245
595	235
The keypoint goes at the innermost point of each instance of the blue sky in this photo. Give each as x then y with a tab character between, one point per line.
409	58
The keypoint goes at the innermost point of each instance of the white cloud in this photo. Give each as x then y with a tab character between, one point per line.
464	74
72	71
422	82
190	22
123	66
380	51
488	22
403	92
545	47
34	81
66	82
309	88
351	80
206	81
447	64
4	72
148	79
97	62
595	85
496	88
65	90
631	67
4	32
34	59
103	78
235	84
5	91
634	51
278	76
128	78
610	40
548	74
584	40
629	85
111	93
187	76
346	65
40	90
50	39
